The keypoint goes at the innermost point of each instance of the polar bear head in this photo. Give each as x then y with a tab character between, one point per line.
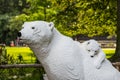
92	46
36	32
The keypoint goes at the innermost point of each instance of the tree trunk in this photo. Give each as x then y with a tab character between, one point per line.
116	56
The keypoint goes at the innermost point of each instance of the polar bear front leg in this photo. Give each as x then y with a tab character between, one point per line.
98	65
99	59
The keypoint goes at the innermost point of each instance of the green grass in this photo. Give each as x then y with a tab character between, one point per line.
28	55
109	52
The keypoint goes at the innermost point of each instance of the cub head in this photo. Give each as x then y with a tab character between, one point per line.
36	32
92	46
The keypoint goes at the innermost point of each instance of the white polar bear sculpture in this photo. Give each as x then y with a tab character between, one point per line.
103	70
95	52
60	56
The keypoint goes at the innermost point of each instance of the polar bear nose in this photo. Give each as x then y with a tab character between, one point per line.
92	56
19	34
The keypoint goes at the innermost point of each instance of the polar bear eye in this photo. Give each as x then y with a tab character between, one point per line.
33	27
88	50
88	43
96	52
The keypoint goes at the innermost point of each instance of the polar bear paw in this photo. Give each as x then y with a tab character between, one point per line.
98	66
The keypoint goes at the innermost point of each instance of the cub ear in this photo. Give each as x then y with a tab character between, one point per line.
51	25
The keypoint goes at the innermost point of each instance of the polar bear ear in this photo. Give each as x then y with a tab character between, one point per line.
51	25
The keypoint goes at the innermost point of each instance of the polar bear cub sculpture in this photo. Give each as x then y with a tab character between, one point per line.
95	52
60	55
96	66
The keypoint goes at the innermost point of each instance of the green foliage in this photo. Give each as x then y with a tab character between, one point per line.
97	18
19	55
3	55
22	74
71	17
9	9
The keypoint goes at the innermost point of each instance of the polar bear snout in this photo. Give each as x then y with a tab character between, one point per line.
92	56
19	34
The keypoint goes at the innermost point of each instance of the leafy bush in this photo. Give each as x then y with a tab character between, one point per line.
22	74
20	55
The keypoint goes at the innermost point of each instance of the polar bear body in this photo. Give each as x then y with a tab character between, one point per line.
59	55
